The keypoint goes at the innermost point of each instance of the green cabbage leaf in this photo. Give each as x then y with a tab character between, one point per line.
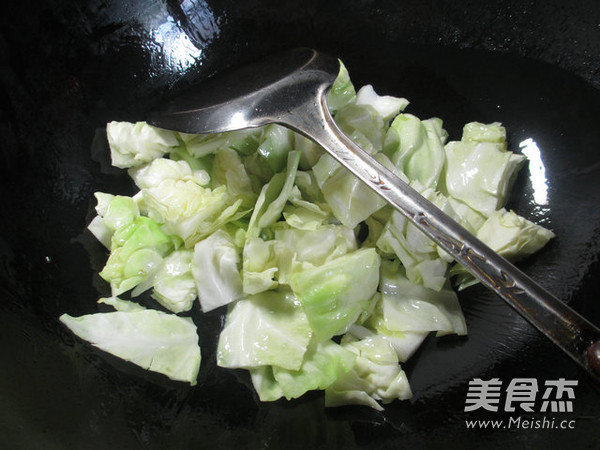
156	341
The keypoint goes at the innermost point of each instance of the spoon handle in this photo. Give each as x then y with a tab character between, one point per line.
575	335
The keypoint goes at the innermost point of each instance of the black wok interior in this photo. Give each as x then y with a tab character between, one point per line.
67	68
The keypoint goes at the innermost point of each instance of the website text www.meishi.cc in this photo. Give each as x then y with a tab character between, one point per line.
522	423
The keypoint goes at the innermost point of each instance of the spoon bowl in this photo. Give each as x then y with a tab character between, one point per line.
273	90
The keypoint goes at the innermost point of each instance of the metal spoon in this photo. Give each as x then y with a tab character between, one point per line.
290	89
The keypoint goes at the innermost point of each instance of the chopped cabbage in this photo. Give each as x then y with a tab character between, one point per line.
269	328
242	141
153	340
260	266
120	304
174	286
404	343
423	260
138	250
334	294
215	271
180	200
322	365
375	376
273	196
385	105
326	286
318	246
342	92
412	307
113	212
303	214
228	169
154	173
351	201
479	132
479	171
417	148
513	236
133	144
277	142
508	234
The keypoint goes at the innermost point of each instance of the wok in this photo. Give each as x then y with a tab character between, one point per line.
68	68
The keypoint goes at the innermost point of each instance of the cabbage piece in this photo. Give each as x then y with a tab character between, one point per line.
100	231
138	250
375	225
303	214
204	224
276	143
174	286
416	147
269	328
172	281
365	120
114	212
510	235
215	270
175	195
405	344
153	174
363	124
120	211
260	265
375	376
479	132
385	105
190	211
134	144
201	145
265	385
480	174
228	169
180	153
258	169
271	212
268	263
411	307
424	261
426	269
466	216
121	305
156	341
243	141
335	293
314	247
513	236
103	200
176	200
307	184
310	151
342	91
351	201
319	245
371	323
273	197
323	363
